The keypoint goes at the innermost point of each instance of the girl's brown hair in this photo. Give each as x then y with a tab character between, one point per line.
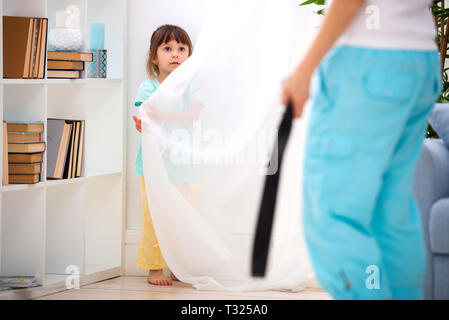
164	34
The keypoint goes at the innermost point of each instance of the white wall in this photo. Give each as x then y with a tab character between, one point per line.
144	16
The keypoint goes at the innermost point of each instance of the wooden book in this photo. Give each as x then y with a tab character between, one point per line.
69	160
24	178
63	74
80	150
24	137
25	157
38	49
25	127
21	168
71	56
26	147
65	65
58	138
34	47
76	148
17	46
5	180
43	53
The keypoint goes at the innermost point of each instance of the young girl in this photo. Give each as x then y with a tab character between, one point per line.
369	103
170	46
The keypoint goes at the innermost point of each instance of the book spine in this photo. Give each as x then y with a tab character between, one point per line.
26	66
80	152
38	50
42	71
5	178
33	49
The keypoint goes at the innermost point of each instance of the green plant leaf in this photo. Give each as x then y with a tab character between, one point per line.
307	2
317	2
441	16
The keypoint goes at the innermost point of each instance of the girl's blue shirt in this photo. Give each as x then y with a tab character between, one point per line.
177	172
146	89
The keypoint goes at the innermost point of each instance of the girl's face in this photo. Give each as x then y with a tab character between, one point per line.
170	55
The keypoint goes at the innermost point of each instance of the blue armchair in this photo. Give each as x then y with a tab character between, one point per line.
431	191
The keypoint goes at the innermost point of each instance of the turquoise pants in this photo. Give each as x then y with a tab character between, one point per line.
365	133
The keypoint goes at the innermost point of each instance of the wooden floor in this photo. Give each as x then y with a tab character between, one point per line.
136	288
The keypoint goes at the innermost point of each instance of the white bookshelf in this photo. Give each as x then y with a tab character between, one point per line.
48	226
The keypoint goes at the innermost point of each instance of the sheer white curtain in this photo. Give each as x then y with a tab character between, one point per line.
204	175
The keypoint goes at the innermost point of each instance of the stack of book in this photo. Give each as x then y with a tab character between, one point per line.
66	65
65	140
5	178
25	152
24	47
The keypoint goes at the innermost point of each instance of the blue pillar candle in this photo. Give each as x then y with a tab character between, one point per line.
96	36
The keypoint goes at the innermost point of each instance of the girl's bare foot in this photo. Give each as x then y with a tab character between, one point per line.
172	275
158	278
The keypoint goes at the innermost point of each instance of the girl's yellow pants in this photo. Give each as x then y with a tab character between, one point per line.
150	256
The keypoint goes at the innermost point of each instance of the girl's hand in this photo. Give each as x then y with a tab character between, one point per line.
155	114
296	90
138	123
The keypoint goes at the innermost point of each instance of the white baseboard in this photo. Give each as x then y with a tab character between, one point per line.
132	244
133	236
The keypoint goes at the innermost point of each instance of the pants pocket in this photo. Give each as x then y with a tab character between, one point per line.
382	83
330	161
329	147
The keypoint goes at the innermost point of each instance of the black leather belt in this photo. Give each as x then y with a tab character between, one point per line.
268	203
